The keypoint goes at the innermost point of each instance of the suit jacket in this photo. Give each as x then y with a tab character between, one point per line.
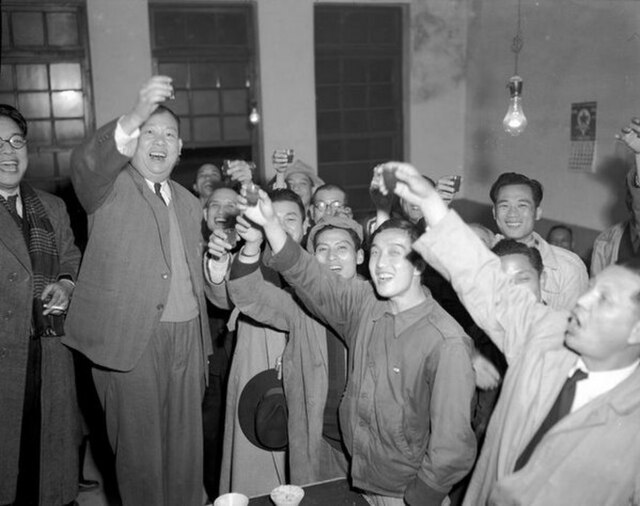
124	279
58	387
592	455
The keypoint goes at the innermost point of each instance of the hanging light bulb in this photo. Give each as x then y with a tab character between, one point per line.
515	121
254	115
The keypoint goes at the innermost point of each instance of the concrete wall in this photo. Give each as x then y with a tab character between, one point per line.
574	51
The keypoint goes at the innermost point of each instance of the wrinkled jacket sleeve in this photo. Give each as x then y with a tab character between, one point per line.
258	299
333	300
508	313
68	252
95	165
452	445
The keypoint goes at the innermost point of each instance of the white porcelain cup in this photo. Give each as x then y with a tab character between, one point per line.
287	495
231	499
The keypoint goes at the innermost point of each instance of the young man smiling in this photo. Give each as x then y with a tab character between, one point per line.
405	414
516	207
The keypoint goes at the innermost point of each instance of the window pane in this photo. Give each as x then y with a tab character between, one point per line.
232	29
206	102
354	96
5	31
65	76
32	77
185	128
69	130
236	128
6	77
8	98
40	132
180	104
201	29
381	95
34	105
177	71
28	29
64	166
41	165
327	71
62	29
67	104
203	75
328	97
233	75
383	120
355	71
234	102
169	29
206	129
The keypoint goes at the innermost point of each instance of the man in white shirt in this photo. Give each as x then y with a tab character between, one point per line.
589	453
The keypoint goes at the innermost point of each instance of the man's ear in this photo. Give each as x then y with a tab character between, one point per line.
204	212
493	212
179	147
359	256
538	213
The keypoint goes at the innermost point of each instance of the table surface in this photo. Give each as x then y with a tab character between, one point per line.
332	492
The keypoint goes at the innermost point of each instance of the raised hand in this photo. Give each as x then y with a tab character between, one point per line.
247	231
382	201
487	376
219	245
155	91
630	135
239	170
447	187
261	214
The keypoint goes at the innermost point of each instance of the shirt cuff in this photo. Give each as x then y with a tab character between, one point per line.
215	270
240	269
418	493
126	143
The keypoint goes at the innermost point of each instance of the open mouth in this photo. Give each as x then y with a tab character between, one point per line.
9	165
335	268
384	277
157	155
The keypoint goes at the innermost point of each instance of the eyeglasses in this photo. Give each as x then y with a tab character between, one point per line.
16	141
322	206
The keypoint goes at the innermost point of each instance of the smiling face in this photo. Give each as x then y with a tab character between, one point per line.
158	147
515	212
290	218
326	202
220	207
393	275
604	326
520	271
336	249
13	162
561	237
208	175
302	185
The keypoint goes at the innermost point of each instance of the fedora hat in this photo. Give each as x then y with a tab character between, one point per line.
262	411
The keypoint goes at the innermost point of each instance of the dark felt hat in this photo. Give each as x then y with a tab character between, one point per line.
262	411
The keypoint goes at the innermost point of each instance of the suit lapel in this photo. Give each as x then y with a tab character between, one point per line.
12	238
159	211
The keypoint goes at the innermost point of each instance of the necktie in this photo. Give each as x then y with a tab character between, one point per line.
156	187
559	410
11	205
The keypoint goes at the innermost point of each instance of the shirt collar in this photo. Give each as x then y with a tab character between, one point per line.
408	317
614	376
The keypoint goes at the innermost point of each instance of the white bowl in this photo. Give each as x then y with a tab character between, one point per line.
287	495
231	499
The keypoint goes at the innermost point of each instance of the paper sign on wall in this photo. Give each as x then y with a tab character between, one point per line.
583	136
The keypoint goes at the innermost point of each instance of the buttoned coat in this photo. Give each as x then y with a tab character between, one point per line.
60	424
125	275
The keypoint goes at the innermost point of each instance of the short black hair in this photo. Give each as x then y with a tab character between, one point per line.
357	243
163	108
11	112
513	178
413	231
220	185
330	186
560	227
286	195
512	247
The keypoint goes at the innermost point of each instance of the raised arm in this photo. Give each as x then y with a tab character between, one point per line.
97	162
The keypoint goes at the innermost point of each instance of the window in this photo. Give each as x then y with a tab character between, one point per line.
358	63
44	74
209	53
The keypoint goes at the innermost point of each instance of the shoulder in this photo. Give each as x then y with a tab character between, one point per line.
186	196
554	256
445	326
51	203
611	233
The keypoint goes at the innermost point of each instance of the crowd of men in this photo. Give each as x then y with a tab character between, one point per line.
244	337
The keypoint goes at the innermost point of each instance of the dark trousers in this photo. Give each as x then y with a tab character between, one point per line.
154	419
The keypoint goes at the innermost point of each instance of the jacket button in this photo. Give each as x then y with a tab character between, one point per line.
160	307
13	276
3	353
165	275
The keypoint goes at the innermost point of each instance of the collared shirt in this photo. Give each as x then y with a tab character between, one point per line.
165	189
6	196
597	382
